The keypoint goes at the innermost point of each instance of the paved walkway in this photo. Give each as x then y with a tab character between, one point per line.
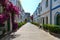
31	32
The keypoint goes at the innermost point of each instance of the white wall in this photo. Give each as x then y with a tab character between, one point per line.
43	5
44	12
47	14
54	13
55	3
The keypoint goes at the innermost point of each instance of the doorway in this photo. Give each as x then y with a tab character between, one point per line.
58	19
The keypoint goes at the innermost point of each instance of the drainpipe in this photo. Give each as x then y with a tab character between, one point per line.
50	11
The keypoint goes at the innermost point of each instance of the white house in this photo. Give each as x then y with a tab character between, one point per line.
20	17
45	12
50	12
55	10
36	15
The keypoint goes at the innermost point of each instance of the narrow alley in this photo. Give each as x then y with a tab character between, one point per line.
32	32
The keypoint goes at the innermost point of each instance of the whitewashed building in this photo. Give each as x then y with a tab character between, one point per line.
20	17
55	10
45	12
50	12
36	15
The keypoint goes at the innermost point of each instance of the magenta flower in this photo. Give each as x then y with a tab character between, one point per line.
15	26
9	7
4	2
16	9
13	9
3	17
6	16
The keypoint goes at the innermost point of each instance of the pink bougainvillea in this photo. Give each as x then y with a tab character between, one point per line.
16	9
8	8
6	16
11	8
15	27
3	17
4	2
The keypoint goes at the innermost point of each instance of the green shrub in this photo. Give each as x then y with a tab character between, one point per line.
35	23
45	26
52	28
21	24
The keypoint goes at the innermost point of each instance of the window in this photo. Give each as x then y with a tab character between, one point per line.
46	3
46	20
55	0
41	9
43	20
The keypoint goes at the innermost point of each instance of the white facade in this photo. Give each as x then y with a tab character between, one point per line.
55	11
45	12
49	11
36	15
20	17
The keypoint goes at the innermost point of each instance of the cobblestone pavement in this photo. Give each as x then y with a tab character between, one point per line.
32	32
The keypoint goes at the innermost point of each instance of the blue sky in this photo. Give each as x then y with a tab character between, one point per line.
30	5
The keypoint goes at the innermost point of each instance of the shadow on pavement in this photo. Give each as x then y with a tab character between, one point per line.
55	35
14	36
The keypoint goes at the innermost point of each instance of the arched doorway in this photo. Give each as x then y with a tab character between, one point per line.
58	19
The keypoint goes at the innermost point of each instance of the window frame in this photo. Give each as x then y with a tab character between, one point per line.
55	0
46	3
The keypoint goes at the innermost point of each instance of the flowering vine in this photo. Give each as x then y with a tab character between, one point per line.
8	8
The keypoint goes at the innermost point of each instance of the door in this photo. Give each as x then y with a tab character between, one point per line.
58	19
